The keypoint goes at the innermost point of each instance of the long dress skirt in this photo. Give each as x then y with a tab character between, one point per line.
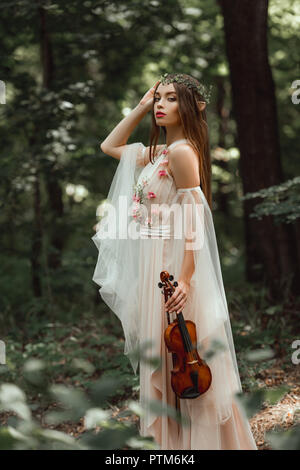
204	432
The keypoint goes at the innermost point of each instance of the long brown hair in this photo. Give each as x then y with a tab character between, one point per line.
195	129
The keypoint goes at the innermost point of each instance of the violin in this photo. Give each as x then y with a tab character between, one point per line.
191	376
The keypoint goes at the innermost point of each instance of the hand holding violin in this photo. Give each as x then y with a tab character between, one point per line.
178	299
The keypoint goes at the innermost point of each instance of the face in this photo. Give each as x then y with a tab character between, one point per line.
165	101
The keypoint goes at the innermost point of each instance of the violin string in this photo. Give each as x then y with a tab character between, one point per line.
187	339
185	333
186	336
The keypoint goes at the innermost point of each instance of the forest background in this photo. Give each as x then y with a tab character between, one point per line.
69	73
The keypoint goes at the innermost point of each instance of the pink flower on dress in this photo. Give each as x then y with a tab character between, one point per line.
165	151
135	198
150	195
162	173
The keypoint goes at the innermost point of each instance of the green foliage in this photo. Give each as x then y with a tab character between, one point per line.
284	440
261	331
281	201
102	430
82	370
53	172
26	433
253	402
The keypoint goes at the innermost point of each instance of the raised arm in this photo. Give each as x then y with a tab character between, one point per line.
116	141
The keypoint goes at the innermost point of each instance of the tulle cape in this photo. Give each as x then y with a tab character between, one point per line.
116	269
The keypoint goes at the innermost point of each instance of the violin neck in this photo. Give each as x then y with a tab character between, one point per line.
186	339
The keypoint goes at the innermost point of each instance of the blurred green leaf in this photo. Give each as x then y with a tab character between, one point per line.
284	440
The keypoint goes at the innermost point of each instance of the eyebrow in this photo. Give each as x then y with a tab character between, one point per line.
169	93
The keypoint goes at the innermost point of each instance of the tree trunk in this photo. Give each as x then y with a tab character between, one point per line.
53	185
222	195
269	247
37	239
57	210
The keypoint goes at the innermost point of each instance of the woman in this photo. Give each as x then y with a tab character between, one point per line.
135	249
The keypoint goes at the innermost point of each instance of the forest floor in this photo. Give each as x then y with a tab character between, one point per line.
286	412
281	416
97	345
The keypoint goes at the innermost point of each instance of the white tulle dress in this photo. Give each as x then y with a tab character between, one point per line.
135	245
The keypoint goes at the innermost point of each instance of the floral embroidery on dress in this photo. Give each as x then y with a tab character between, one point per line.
138	191
138	199
139	210
165	161
135	212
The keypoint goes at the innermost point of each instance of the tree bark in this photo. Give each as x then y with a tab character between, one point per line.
53	185
269	247
223	114
37	240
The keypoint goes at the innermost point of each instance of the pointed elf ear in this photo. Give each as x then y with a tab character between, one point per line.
201	105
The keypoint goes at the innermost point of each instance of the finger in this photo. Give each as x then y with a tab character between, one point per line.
179	307
178	298
172	298
175	301
181	298
152	89
176	309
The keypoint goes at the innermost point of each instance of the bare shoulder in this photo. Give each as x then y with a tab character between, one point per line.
182	154
184	165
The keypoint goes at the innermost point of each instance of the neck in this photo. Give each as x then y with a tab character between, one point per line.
173	135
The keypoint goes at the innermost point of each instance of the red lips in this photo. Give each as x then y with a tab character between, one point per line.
160	114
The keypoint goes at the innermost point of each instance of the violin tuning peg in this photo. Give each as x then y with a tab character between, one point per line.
175	284
171	277
160	284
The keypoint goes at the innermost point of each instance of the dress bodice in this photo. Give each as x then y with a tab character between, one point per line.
155	187
150	168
